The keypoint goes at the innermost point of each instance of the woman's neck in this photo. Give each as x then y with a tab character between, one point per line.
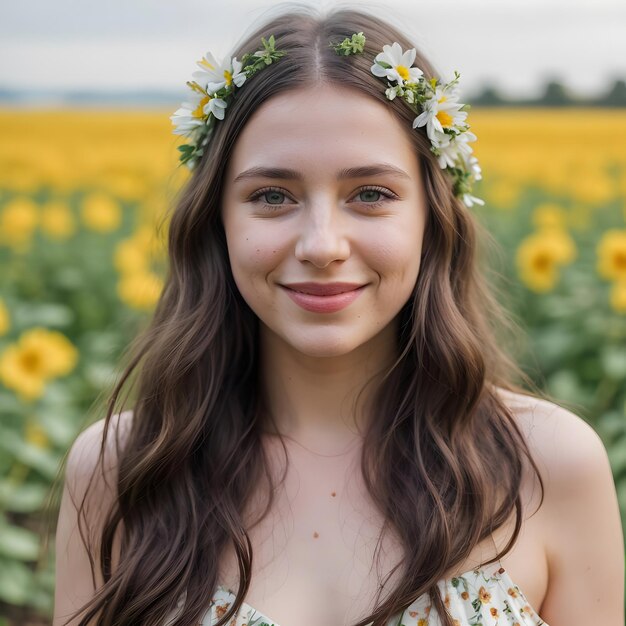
314	399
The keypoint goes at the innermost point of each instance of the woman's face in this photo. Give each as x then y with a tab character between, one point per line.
327	216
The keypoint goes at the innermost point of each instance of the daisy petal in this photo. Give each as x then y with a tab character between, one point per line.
379	71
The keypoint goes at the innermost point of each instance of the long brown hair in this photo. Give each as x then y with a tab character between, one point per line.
193	458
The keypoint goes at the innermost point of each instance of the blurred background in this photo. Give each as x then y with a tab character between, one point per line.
88	165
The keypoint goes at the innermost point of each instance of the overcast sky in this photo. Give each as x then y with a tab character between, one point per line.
144	44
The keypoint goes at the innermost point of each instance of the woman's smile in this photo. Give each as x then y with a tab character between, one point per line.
329	303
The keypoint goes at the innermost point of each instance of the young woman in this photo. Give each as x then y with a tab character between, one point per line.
325	428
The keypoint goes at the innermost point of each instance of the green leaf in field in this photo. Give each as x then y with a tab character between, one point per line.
101	343
24	498
100	374
42	601
613	359
70	278
16	583
49	315
58	392
18	543
44	461
59	423
45	577
554	342
566	384
9	403
612	424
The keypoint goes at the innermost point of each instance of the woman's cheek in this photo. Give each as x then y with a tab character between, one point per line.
249	250
397	262
388	255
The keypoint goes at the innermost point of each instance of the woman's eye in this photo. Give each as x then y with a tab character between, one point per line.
271	197
367	194
274	197
374	197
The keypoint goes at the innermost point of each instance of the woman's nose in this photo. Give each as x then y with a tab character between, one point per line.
322	236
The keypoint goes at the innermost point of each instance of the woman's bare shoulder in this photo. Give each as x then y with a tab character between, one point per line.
85	453
580	502
92	491
553	432
562	442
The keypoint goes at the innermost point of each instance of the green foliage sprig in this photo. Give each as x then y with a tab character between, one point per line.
350	45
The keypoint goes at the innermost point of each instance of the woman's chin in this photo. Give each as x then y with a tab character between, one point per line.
323	342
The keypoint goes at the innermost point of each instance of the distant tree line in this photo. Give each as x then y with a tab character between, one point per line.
555	95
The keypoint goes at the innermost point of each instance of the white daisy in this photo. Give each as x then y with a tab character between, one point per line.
193	114
215	106
214	85
447	154
441	110
438	108
400	70
190	115
473	166
391	92
465	150
470	200
457	147
184	120
216	75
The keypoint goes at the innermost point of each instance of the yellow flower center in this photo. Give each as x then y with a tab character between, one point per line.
199	113
442	99
403	71
542	262
444	118
31	361
228	76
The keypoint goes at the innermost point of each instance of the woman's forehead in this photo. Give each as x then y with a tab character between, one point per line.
338	127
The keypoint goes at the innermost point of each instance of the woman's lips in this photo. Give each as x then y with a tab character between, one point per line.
324	304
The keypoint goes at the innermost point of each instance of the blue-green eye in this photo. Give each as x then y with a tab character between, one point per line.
377	191
271	196
371	191
274	197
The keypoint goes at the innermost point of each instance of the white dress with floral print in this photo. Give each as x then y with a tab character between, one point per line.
475	598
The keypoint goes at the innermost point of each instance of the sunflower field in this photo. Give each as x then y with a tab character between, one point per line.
82	265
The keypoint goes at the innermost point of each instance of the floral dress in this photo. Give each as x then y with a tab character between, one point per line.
475	598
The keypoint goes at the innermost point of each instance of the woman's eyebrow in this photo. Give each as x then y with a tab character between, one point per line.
348	172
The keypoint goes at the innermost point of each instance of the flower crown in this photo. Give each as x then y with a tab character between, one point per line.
436	105
214	84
